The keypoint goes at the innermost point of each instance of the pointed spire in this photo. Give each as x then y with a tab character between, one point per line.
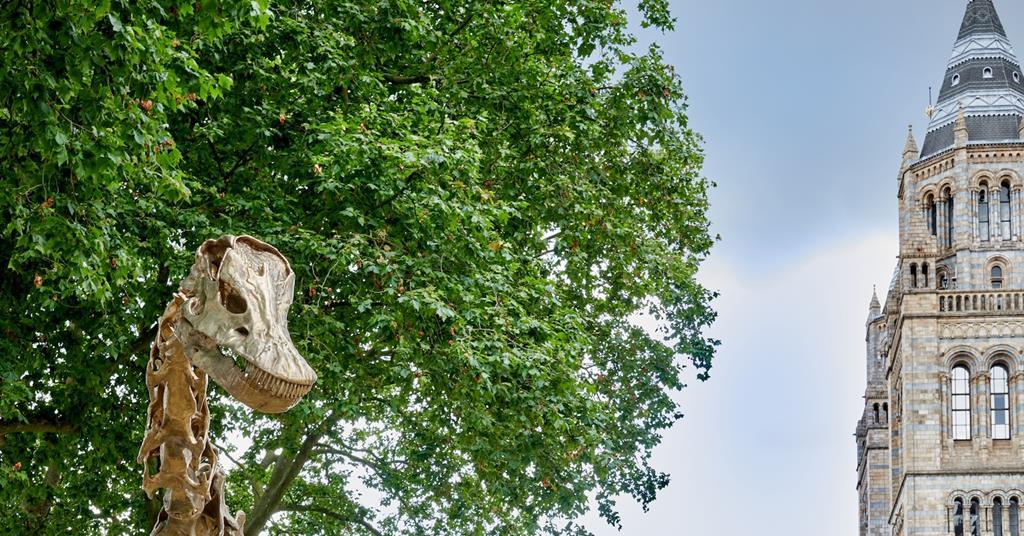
981	19
875	309
910	149
985	77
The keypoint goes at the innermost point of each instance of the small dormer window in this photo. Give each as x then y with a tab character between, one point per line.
987	73
956	80
1016	77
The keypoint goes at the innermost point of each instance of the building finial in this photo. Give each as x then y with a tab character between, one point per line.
910	149
875	309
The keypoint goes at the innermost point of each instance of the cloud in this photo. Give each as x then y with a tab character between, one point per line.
767	444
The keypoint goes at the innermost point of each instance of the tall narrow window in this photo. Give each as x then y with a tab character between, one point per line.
997	517
1014	517
1000	402
932	215
958	517
877	410
924	274
913	276
997	277
983	214
975	517
1004	210
950	231
961	381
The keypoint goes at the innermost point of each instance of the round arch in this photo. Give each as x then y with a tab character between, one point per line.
981	176
965	355
1002	353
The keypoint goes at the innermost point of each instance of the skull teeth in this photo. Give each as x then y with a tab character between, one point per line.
259	380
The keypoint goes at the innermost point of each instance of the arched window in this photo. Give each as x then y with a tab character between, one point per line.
885	412
961	389
943	280
975	517
958	517
956	80
1014	517
997	517
932	215
924	274
983	214
1000	379
997	277
913	276
1005	210
986	73
950	230
877	411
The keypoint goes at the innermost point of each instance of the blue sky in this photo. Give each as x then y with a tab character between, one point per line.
804	107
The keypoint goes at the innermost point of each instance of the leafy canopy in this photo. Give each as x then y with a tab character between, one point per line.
477	197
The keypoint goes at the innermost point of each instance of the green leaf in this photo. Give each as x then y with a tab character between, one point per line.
115	22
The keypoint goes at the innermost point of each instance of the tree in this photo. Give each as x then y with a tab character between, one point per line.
478	199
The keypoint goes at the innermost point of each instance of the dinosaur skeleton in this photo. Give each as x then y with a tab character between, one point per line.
236	297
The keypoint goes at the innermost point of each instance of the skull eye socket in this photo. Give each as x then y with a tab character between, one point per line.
231	299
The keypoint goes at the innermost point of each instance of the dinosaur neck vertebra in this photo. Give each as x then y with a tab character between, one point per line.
177	435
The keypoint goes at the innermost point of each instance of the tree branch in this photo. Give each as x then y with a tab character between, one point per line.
324	449
401	191
332	514
400	80
462	25
243	159
37	427
286	469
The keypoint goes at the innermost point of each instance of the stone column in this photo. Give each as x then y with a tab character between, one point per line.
1017	404
1005	516
994	222
1017	205
944	407
974	216
1014	231
940	223
981	409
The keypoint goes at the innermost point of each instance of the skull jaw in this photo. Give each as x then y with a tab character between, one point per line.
250	384
253	386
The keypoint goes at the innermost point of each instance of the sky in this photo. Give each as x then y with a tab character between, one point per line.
804	107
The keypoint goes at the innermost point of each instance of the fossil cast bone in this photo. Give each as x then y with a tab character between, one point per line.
236	297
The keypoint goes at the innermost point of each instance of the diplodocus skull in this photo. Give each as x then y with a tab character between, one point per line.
239	292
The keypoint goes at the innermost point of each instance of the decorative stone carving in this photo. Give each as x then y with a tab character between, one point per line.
981	330
236	297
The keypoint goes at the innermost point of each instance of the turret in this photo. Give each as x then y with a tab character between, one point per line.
982	95
875	308
910	150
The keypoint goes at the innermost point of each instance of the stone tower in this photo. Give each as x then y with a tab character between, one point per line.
941	440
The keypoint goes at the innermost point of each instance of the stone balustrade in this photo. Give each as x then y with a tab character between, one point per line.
981	301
